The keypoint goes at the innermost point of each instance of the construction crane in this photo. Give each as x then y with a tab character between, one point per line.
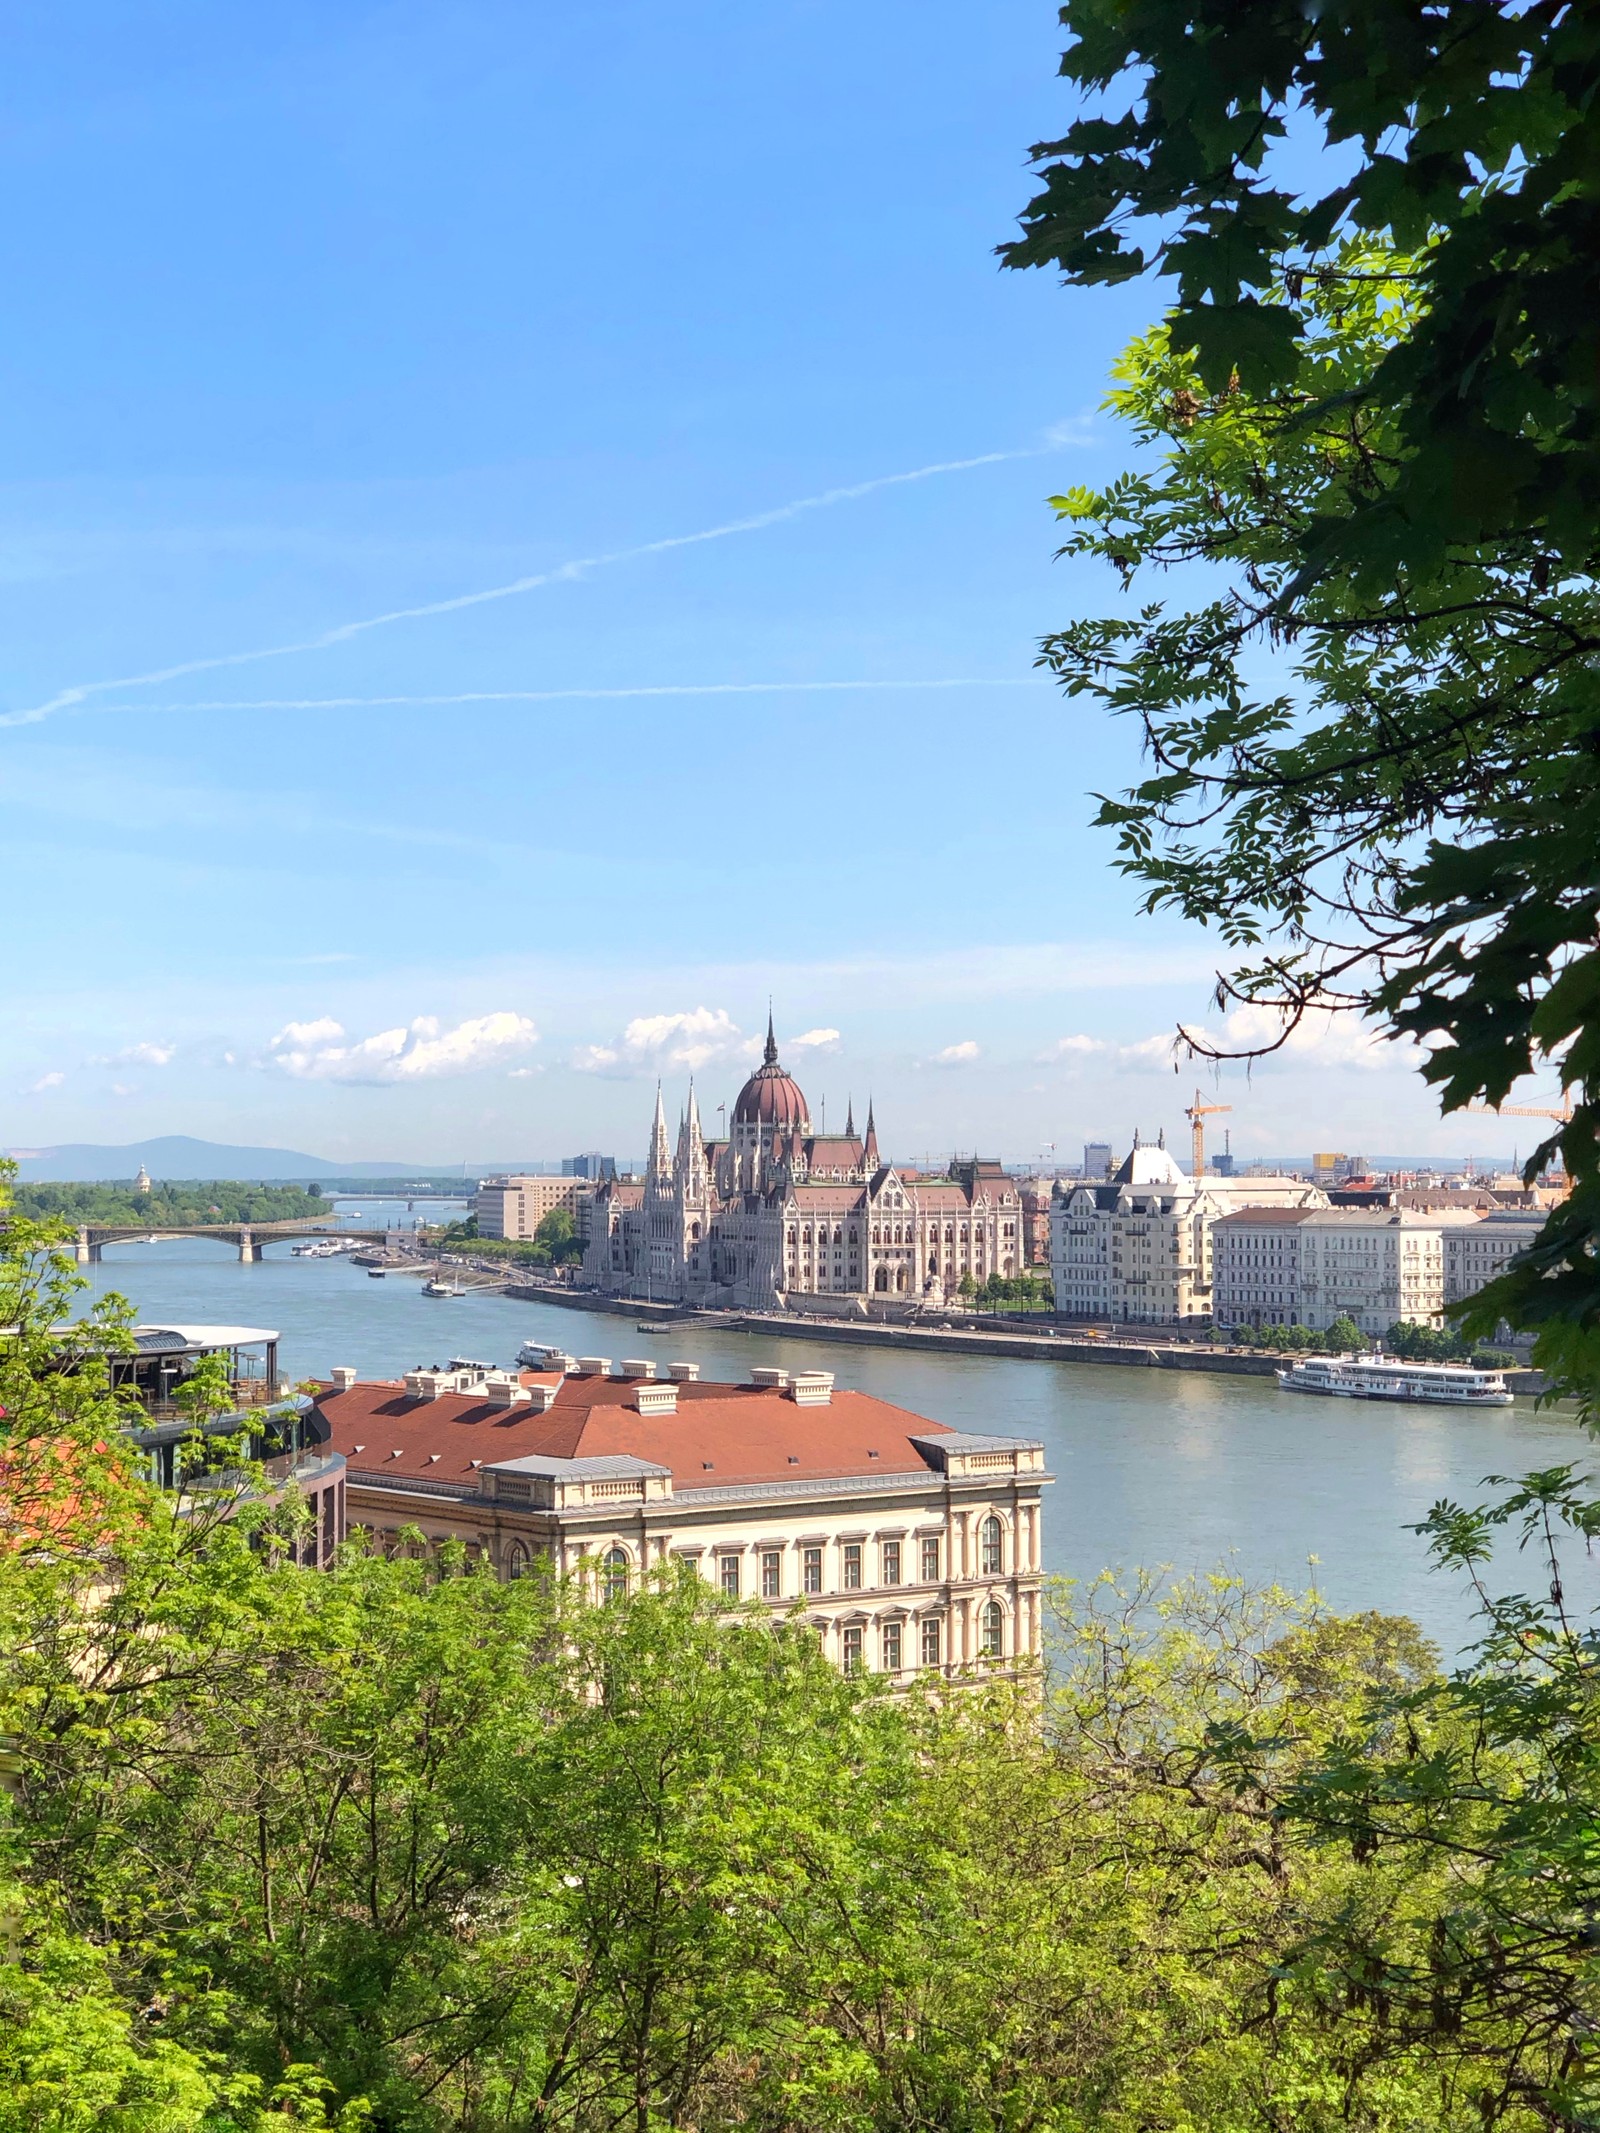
1197	1113
1563	1113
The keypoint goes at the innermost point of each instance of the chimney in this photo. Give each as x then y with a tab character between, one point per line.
505	1392
765	1375
343	1377
685	1373
594	1366
657	1399
637	1366
812	1388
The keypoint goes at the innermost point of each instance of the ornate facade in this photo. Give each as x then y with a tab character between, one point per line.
776	1213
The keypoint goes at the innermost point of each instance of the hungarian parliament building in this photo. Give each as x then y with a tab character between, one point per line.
776	1215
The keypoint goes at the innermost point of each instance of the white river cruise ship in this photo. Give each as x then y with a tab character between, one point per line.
1389	1377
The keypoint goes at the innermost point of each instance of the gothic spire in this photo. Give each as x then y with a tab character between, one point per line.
660	1152
870	1150
849	1118
770	1055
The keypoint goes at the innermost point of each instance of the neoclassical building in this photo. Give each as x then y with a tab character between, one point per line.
777	1213
1139	1247
910	1547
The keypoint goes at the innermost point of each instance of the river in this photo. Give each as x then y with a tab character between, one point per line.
1152	1467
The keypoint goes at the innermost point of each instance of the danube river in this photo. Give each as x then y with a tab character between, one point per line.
1152	1467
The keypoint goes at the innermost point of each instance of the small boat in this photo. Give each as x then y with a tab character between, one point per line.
1390	1377
375	1273
443	1288
657	1325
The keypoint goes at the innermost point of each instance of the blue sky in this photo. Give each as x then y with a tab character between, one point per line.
324	315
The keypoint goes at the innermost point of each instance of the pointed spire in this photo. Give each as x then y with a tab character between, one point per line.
870	1150
694	1146
770	1055
660	1152
849	1118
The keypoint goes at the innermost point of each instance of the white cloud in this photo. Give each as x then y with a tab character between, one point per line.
957	1054
1147	1055
318	1051
156	1055
46	1081
651	1044
1322	1038
123	1088
812	1040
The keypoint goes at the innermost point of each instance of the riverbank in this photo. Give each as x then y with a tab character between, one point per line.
1124	1350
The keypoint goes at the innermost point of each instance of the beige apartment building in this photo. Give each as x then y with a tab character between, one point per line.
1255	1266
1475	1252
1138	1248
909	1546
514	1207
1377	1266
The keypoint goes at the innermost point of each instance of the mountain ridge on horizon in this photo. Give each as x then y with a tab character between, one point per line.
182	1157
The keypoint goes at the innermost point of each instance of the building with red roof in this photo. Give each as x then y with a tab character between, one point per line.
776	1212
909	1545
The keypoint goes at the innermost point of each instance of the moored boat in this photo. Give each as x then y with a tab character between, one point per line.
1392	1377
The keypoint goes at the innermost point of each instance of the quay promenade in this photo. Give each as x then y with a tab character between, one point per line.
1132	1348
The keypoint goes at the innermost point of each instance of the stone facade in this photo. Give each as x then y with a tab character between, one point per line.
1475	1252
776	1212
1138	1249
908	1546
1376	1267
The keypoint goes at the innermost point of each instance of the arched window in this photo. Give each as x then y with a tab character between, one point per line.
992	1644
614	1574
880	1280
990	1548
517	1560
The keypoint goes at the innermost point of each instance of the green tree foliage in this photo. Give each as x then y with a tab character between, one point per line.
1372	411
398	1846
167	1205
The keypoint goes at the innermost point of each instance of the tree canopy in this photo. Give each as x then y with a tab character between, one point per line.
1369	432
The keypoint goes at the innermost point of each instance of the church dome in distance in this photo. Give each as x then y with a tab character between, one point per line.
771	1097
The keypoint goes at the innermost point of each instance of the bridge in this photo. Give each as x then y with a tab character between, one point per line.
251	1238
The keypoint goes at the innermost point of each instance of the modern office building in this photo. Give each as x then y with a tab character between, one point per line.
515	1206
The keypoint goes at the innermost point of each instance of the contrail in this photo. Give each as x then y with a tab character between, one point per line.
554	696
560	574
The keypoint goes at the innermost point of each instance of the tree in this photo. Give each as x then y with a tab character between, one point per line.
1376	409
1344	1337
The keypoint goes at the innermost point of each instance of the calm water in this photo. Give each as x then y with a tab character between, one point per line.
1151	1467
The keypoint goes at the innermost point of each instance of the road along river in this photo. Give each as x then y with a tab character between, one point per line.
1153	1467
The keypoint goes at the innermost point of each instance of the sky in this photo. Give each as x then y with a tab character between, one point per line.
523	536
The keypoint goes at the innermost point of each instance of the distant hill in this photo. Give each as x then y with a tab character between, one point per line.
178	1155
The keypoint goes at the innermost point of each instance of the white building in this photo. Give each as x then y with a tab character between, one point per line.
909	1546
1377	1266
1255	1266
1139	1247
776	1214
1474	1253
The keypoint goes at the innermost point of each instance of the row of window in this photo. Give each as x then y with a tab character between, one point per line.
614	1565
930	1641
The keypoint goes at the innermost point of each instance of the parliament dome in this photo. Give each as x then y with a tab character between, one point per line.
771	1097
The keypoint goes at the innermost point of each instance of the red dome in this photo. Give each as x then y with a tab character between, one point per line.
770	1097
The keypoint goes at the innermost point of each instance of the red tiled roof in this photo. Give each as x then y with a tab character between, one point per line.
720	1434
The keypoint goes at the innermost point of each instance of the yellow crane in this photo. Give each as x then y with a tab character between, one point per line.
1562	1113
1197	1113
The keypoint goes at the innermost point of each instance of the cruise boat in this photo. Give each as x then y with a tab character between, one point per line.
1390	1377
